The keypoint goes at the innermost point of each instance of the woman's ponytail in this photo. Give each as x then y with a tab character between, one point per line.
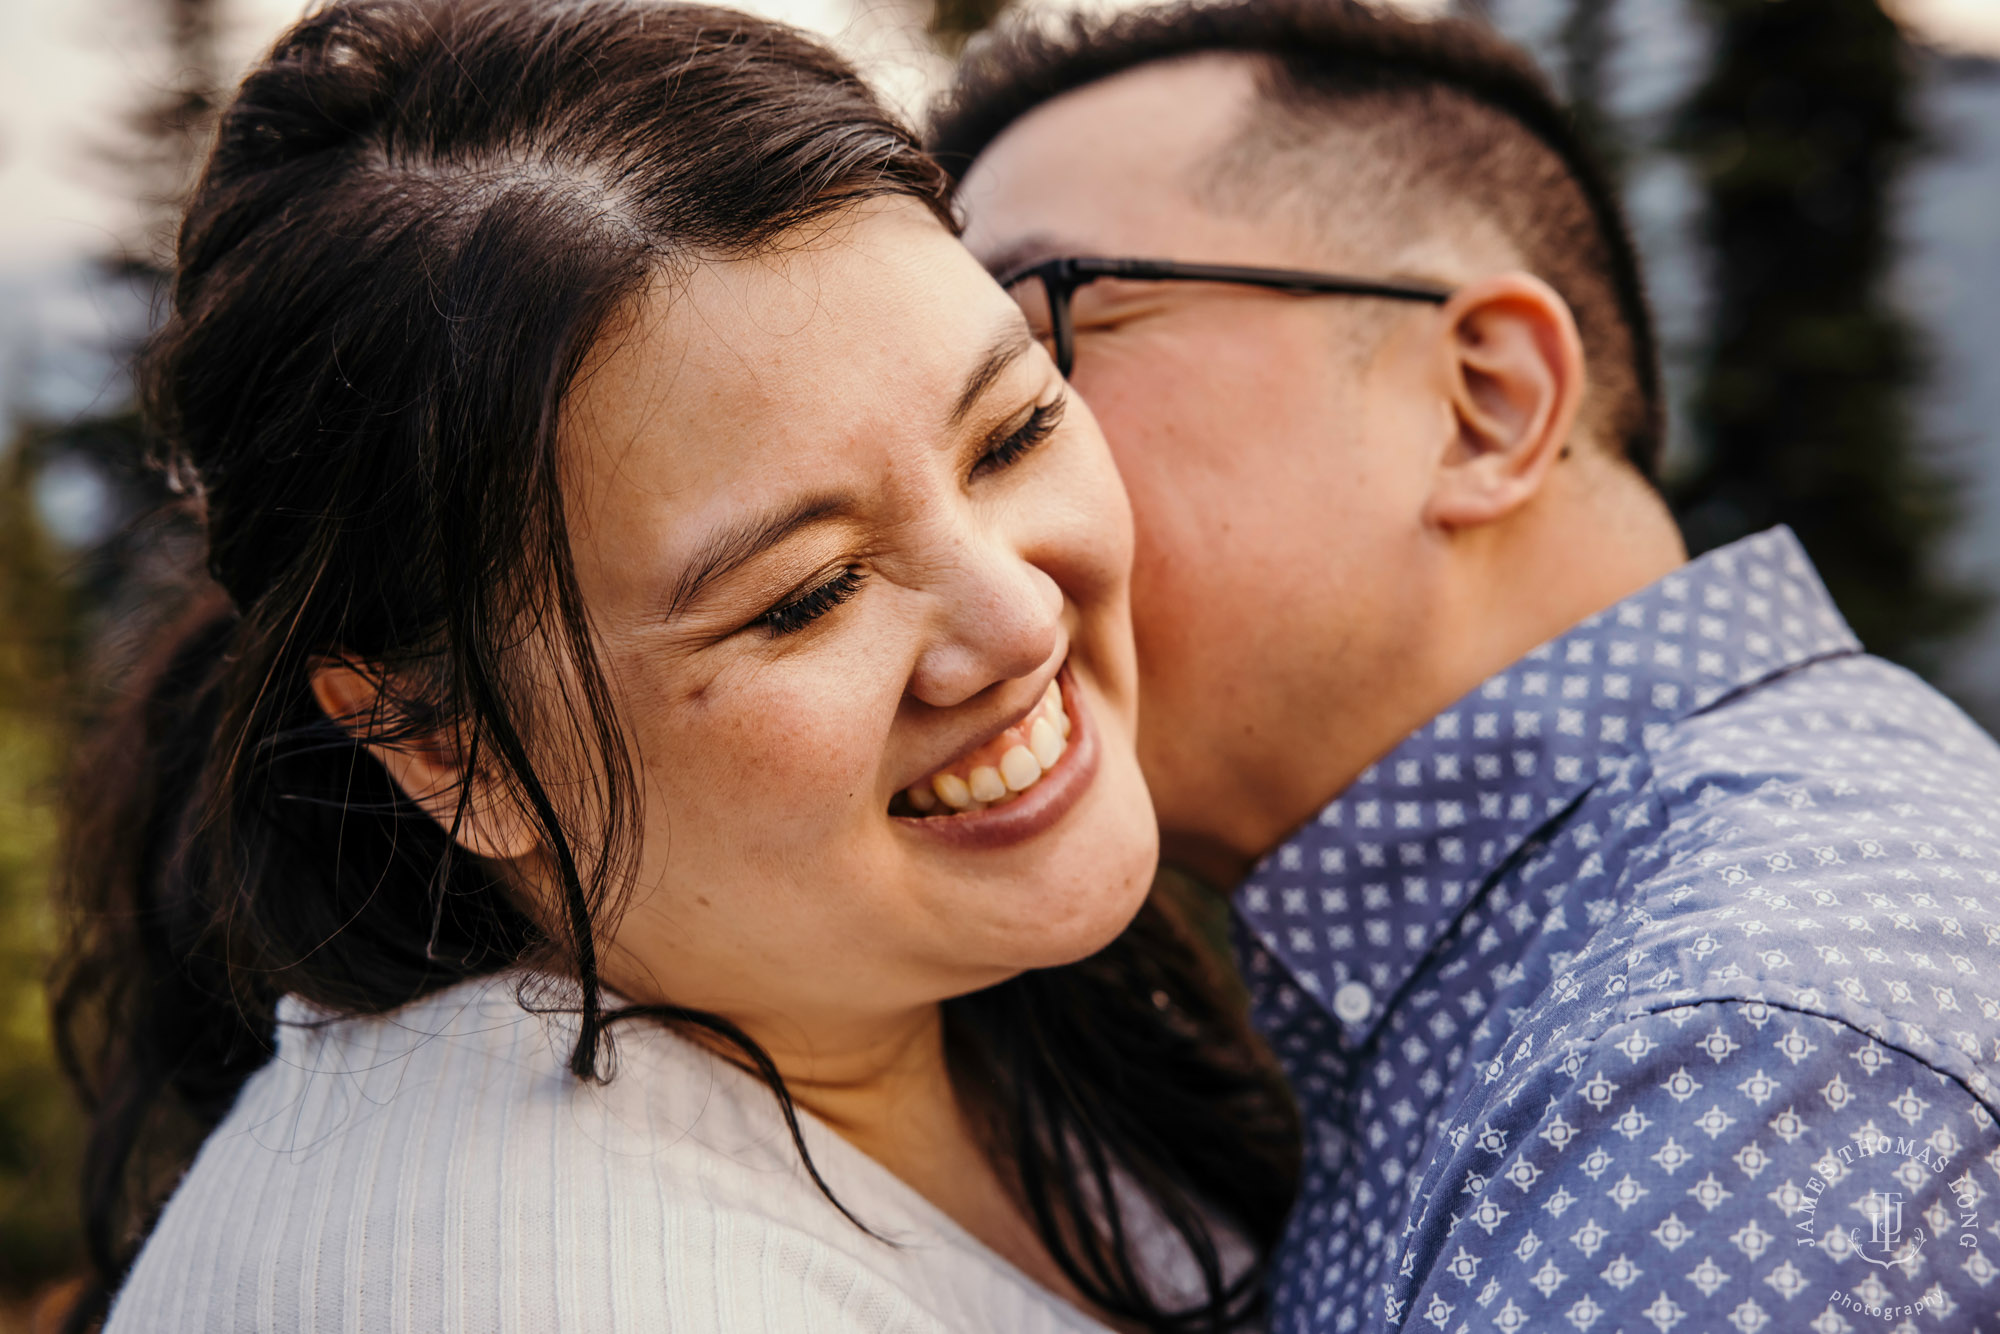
150	1025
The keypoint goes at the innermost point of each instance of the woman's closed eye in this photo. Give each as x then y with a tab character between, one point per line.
1012	445
797	612
1016	444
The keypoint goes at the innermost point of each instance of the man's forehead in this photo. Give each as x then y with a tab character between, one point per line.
1097	165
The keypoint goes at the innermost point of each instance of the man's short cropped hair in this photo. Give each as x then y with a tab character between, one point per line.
1463	125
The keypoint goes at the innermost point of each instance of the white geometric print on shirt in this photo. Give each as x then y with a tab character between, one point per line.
1727	1164
1603	985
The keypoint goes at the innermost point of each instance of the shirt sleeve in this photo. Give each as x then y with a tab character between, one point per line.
1722	1166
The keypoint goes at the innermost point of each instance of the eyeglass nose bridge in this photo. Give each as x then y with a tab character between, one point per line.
1062	323
1058	280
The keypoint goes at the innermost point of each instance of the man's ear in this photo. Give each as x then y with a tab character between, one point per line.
429	770
1514	383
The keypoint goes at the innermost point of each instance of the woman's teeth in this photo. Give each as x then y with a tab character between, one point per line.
986	784
1001	769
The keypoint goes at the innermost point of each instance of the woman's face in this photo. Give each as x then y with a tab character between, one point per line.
841	530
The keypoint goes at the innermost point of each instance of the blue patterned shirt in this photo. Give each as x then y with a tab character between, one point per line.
1654	985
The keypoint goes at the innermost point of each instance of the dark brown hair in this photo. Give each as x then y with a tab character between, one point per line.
417	218
1471	122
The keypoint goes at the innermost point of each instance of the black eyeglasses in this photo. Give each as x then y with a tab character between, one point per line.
1044	289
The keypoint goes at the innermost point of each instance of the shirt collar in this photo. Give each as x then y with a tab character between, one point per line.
1350	904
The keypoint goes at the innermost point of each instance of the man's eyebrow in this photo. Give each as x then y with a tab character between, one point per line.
730	547
1001	353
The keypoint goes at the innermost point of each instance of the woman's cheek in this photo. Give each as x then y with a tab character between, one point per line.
769	746
1101	513
1099	577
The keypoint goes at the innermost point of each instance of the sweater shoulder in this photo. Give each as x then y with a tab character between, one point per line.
440	1167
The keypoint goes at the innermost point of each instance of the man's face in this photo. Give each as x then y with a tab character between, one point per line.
1279	561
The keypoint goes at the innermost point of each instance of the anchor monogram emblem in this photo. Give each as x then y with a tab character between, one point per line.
1884	1211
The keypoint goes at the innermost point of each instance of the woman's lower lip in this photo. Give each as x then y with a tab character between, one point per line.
1036	809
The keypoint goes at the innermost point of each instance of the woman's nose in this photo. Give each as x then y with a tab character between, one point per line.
1002	620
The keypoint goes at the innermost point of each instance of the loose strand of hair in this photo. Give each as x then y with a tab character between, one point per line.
765	1069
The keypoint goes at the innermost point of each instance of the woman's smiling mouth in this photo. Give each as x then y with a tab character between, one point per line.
999	770
1038	768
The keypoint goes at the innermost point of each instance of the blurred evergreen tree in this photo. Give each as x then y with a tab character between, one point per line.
1585	44
170	128
68	617
1797	138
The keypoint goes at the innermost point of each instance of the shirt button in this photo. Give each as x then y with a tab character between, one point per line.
1352	1002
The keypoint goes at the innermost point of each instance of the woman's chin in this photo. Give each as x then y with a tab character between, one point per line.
1095	883
1108	864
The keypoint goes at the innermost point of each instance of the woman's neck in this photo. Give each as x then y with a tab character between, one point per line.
888	1091
885	1088
882	1081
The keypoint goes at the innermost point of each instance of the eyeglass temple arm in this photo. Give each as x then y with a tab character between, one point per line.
1072	272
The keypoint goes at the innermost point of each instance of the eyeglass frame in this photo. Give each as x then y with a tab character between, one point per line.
1061	277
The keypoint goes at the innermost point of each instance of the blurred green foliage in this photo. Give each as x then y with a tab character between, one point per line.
955	22
39	1127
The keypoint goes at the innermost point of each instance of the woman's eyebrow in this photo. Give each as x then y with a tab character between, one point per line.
1004	350
730	547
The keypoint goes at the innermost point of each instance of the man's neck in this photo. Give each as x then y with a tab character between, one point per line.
1586	548
1511	591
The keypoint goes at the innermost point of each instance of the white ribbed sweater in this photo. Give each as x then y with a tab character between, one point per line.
440	1170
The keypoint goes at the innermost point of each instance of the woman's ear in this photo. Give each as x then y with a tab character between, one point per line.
429	770
1514	383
